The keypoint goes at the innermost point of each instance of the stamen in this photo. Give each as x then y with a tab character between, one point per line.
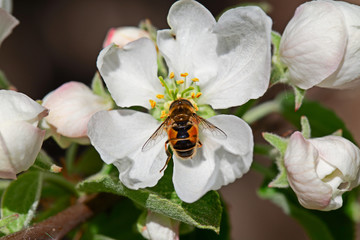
160	96
193	95
152	103
172	75
163	114
196	107
195	79
184	74
186	90
179	81
198	94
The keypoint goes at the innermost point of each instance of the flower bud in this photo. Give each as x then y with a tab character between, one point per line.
320	45
160	227
123	35
71	106
320	170
20	138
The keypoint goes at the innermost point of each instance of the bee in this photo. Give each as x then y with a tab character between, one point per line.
182	128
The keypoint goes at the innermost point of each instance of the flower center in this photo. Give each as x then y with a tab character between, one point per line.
175	88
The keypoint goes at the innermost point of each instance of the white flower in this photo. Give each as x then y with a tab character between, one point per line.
321	47
71	107
123	35
320	170
160	227
222	63
20	138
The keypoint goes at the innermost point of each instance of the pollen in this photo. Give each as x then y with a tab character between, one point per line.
179	81
192	95
184	74
160	96
195	79
163	114
198	94
172	75
152	103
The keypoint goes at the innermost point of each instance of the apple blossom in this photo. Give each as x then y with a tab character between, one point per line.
160	227
20	138
222	64
320	45
71	106
123	35
7	23
320	170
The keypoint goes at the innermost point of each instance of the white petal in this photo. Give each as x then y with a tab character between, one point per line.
313	43
339	153
300	159
349	73
71	106
15	106
7	23
190	45
160	227
243	48
130	73
119	136
218	162
20	142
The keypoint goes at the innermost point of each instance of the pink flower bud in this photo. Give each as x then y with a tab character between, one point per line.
20	138
123	35
320	170
320	45
71	106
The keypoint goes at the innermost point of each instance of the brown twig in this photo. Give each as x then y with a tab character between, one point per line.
56	227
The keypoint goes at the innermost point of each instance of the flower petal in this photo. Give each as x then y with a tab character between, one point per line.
119	136
7	23
71	107
313	43
20	142
339	153
218	162
300	159
15	106
130	73
160	227
190	45
244	44
349	73
123	35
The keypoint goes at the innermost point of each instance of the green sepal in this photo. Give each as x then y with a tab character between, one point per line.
279	70
4	83
45	163
305	127
21	199
299	96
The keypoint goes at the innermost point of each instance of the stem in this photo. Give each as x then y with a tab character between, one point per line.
70	157
261	111
56	227
59	180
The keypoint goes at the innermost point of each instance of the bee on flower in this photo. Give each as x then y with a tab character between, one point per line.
212	65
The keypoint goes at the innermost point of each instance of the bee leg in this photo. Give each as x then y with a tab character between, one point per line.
168	155
199	144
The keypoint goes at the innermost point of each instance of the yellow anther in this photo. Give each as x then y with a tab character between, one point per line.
163	114
160	96
172	75
184	74
180	81
195	79
162	84
192	94
152	103
198	94
196	107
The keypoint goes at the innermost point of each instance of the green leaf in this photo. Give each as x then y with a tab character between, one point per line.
204	213
21	198
323	121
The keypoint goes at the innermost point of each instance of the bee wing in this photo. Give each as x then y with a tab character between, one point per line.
208	127
159	134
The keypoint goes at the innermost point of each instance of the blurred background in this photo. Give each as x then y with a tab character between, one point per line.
58	41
